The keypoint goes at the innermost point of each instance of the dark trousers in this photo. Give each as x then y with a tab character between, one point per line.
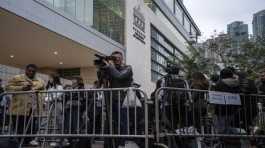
22	125
72	122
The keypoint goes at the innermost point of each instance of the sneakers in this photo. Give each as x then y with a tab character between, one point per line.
65	142
34	142
131	144
54	144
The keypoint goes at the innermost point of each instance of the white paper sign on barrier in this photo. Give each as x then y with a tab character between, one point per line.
216	98
232	99
224	98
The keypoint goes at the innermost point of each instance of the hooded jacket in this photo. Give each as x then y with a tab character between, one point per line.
230	85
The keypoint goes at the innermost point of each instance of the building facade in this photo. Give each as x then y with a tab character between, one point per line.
238	32
259	24
62	36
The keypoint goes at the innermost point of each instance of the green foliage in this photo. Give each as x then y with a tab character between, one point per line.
252	57
116	6
195	61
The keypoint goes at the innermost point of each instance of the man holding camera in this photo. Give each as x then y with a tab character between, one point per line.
117	75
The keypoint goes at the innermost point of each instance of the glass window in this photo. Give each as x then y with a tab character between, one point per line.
88	12
178	13
106	16
70	7
161	50
170	26
170	4
80	10
69	72
193	32
109	18
59	4
50	2
186	24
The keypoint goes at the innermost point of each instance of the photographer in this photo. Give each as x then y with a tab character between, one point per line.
175	105
113	73
119	74
174	102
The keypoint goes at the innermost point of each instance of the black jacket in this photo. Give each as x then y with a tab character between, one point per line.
229	85
119	77
1	91
261	87
248	86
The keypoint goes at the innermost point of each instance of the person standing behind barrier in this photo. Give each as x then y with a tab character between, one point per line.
1	97
261	83
247	86
258	127
248	102
119	76
24	105
73	108
56	107
199	82
227	82
175	103
1	104
1	87
213	81
227	121
54	100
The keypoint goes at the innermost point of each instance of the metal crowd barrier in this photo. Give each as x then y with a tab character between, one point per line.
111	114
208	118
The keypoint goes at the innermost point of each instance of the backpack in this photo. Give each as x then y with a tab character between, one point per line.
174	81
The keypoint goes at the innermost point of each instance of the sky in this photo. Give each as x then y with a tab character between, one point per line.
212	15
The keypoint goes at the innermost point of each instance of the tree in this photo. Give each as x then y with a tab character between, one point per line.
221	45
252	56
195	61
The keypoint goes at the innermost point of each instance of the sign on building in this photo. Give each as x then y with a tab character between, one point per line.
139	24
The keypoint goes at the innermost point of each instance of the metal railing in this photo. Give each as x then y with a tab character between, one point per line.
111	114
116	115
209	117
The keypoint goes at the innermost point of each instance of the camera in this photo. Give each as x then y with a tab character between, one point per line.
99	60
172	68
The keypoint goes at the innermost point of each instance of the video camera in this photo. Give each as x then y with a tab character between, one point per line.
172	68
99	60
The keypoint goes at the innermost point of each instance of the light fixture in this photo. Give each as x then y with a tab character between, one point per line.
61	63
12	56
55	52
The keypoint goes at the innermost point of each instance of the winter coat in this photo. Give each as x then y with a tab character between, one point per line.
229	85
120	77
261	87
1	91
248	86
199	102
22	104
